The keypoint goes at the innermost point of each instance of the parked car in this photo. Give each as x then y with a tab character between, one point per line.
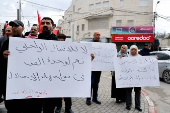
163	64
165	49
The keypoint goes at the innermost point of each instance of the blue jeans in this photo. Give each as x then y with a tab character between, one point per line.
95	79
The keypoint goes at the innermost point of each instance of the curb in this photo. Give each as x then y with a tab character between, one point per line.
151	104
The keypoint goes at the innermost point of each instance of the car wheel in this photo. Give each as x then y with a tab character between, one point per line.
166	76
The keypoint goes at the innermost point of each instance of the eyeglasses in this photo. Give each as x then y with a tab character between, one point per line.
34	29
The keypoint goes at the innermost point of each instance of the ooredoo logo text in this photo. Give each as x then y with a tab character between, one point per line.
139	38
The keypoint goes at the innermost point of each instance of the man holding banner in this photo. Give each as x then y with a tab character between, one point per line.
16	105
95	77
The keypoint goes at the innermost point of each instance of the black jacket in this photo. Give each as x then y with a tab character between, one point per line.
144	52
51	37
2	39
3	63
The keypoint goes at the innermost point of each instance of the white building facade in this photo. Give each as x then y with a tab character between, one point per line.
1	27
84	17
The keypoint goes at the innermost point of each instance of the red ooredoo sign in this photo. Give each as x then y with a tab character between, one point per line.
133	38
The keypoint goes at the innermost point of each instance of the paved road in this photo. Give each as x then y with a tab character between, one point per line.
160	97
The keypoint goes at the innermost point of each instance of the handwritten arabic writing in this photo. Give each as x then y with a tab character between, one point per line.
137	72
139	61
39	47
49	65
43	61
30	93
40	76
104	56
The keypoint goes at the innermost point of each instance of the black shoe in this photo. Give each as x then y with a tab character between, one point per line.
97	102
88	102
1	100
128	108
58	110
138	108
69	111
121	101
117	101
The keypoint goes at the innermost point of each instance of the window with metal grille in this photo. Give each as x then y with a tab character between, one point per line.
91	6
143	2
74	8
106	4
121	3
98	5
83	27
130	23
77	28
79	10
118	22
100	23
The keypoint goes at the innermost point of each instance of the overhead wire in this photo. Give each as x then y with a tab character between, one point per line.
43	5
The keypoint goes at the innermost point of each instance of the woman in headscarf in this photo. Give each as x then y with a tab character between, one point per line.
133	53
119	93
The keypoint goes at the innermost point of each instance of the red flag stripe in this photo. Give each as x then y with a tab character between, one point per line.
39	22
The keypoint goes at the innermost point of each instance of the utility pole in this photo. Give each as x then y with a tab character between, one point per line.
154	17
19	11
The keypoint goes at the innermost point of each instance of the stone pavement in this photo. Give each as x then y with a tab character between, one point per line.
108	105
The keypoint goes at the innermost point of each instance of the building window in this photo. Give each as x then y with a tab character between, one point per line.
121	3
143	2
74	8
98	5
118	22
100	23
91	6
79	10
106	4
130	23
77	28
82	27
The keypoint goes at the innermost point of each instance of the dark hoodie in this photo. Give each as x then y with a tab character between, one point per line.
144	52
51	37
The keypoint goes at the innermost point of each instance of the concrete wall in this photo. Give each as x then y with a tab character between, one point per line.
164	42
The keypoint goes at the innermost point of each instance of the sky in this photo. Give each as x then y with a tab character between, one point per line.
8	11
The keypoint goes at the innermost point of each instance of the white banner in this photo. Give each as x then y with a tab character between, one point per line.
137	72
40	68
104	53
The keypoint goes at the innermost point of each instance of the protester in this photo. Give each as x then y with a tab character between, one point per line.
27	33
61	37
16	105
95	77
9	34
119	93
2	39
68	102
133	53
47	26
9	31
33	33
145	51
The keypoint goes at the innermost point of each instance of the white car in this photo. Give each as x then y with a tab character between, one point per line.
163	64
165	49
